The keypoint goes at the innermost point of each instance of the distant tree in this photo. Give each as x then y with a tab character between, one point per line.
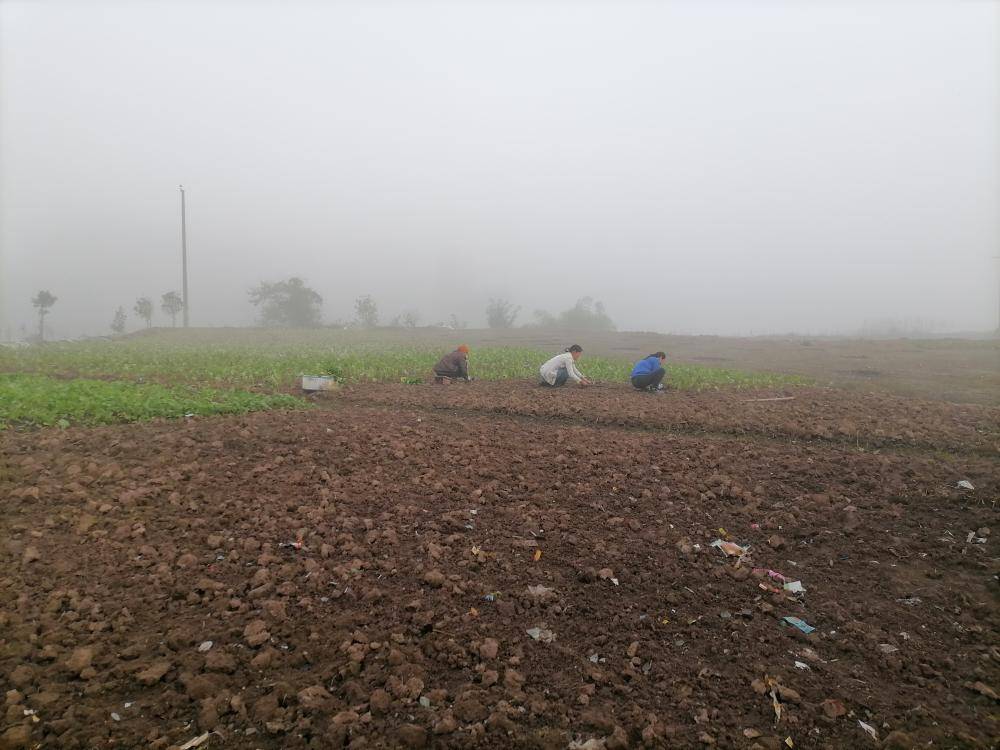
406	319
545	319
287	304
144	309
501	314
118	322
455	323
587	314
43	301
171	303
366	311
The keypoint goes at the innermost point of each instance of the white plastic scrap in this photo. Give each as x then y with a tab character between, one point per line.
801	665
795	587
965	484
115	716
730	549
870	729
205	646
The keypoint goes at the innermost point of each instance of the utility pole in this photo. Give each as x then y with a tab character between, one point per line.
4	328
184	255
997	333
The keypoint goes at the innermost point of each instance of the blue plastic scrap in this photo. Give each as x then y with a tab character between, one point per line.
802	625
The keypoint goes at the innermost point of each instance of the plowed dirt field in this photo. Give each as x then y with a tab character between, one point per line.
501	565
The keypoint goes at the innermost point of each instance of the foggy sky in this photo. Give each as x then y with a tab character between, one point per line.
709	167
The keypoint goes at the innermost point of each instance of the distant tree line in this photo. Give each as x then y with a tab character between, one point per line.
586	314
293	304
171	304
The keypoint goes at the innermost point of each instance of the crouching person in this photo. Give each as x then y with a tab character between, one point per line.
453	366
562	368
647	375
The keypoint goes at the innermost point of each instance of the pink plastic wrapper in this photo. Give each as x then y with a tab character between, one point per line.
773	574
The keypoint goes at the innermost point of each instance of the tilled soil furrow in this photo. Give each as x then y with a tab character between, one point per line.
761	433
868	421
403	577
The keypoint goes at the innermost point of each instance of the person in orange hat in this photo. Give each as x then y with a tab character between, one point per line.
453	366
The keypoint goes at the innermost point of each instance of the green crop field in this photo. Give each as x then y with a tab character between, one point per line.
276	363
172	373
37	400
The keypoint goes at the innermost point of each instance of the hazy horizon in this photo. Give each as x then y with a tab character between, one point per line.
707	168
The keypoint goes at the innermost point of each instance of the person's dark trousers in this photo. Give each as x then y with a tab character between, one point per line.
562	375
649	380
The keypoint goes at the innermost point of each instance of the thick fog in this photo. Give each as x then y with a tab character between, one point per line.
702	167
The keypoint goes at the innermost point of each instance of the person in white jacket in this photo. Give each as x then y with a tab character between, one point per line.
562	367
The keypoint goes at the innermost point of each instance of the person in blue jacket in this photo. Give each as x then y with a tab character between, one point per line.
648	373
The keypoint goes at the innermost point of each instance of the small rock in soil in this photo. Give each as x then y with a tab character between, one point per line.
220	661
898	740
153	673
434	578
80	659
833	708
489	649
346	718
314	697
469	711
412	735
446	725
16	737
256	633
787	695
379	701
